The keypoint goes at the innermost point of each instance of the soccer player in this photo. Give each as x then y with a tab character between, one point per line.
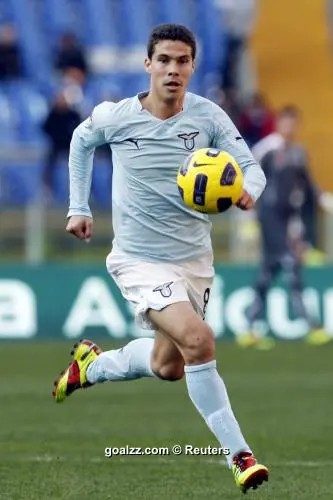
162	255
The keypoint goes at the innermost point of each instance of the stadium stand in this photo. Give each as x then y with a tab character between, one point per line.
114	35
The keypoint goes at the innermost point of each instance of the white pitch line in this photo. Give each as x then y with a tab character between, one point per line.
163	460
287	463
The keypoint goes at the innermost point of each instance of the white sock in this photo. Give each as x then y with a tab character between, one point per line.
209	395
127	363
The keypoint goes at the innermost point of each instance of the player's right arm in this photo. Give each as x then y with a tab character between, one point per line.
86	137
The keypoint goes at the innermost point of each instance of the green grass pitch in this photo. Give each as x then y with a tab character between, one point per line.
282	399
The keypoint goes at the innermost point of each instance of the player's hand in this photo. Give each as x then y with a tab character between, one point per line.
80	226
245	202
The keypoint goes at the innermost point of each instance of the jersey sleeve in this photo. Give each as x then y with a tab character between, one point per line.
90	134
225	136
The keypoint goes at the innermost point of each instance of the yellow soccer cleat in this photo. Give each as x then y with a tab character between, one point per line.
252	340
248	339
247	472
265	344
84	353
318	336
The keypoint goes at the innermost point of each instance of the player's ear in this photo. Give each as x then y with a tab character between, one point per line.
193	65
147	65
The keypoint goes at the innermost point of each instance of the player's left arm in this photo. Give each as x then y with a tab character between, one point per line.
226	137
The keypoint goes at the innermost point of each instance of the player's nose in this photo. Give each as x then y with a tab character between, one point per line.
173	70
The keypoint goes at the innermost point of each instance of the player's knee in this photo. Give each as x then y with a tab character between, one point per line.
170	371
198	344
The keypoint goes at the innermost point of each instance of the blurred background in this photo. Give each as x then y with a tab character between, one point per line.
59	58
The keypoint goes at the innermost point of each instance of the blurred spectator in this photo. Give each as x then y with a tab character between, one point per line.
279	210
70	54
287	125
75	87
257	120
59	126
285	131
72	84
10	56
238	17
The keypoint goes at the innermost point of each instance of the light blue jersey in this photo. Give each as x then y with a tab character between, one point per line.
150	219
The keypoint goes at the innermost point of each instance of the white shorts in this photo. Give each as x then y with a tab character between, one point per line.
155	285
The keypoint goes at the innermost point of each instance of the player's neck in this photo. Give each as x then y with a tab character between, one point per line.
162	109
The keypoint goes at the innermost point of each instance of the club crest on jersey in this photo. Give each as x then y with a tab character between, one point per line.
188	140
164	289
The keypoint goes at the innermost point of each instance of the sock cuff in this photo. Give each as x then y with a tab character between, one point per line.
199	368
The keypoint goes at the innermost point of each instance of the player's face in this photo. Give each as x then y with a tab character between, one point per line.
171	68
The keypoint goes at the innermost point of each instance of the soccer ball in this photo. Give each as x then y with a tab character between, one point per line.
210	181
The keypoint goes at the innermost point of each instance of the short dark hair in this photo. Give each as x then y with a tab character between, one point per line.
289	111
175	32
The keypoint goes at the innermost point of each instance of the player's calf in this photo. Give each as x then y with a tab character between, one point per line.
166	361
171	371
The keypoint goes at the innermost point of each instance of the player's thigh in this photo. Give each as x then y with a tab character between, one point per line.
189	332
146	285
199	292
167	361
199	275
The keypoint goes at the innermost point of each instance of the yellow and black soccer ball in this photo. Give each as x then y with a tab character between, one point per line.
210	181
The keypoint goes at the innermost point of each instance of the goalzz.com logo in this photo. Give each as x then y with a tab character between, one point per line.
176	449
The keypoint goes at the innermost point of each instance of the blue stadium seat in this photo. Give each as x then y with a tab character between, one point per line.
34	43
31	108
209	30
6	12
135	22
135	83
104	88
101	26
61	181
64	15
174	11
102	182
8	120
20	183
